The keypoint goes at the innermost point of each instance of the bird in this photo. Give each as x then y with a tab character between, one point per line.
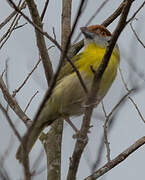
68	97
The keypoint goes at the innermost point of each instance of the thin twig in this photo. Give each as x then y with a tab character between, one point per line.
55	42
20	26
30	130
103	107
92	17
10	30
107	120
61	62
44	9
117	160
114	15
30	101
71	124
80	144
78	46
106	134
64	53
10	123
13	104
139	40
123	80
6	77
136	107
97	12
12	15
106	141
136	12
112	119
39	36
26	79
120	101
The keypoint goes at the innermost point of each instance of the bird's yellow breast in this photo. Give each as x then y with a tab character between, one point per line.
68	96
92	56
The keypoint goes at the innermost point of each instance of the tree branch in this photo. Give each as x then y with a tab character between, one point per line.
40	40
57	45
53	139
114	162
44	10
13	104
28	134
82	142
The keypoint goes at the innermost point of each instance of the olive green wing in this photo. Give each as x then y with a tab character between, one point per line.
67	68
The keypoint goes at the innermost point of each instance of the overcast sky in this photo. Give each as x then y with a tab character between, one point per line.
22	54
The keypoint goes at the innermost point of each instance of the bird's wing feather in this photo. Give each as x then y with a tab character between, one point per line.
67	68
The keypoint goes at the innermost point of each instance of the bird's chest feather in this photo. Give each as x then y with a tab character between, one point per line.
90	62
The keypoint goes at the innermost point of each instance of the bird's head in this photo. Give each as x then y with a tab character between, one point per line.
97	34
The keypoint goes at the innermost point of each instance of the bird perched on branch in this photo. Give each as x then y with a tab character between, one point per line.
68	97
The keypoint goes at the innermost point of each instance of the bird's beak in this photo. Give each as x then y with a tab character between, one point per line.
87	33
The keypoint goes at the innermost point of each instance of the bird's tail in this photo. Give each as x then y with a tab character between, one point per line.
34	135
48	114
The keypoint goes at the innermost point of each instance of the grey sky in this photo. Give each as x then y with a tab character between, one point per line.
22	53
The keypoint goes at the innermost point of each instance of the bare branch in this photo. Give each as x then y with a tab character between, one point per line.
39	37
136	107
30	101
10	122
92	17
61	62
30	130
106	134
66	21
10	30
41	41
139	40
12	15
44	9
13	104
137	11
81	143
115	14
76	47
117	160
53	139
26	161
55	42
26	79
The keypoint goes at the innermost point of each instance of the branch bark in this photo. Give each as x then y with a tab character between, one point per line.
53	139
13	104
121	157
82	142
40	40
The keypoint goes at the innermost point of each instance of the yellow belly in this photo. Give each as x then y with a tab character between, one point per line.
93	56
68	97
